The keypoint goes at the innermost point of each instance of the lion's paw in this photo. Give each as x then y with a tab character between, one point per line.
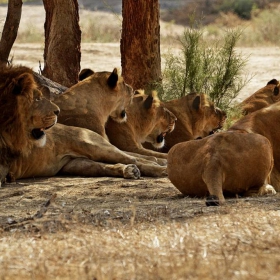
162	161
267	190
131	171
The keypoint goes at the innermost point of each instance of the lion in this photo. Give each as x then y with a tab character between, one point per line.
33	144
197	117
147	120
95	98
261	98
265	122
225	162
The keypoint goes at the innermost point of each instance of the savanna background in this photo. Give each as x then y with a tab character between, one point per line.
111	228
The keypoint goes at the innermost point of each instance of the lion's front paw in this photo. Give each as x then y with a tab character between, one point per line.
162	161
131	171
267	190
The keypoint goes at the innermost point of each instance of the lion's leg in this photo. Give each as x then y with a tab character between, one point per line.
4	170
160	161
152	170
265	189
89	168
213	179
147	152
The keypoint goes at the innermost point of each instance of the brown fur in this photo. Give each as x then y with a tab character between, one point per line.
265	122
22	106
232	162
261	98
197	117
147	120
66	149
91	101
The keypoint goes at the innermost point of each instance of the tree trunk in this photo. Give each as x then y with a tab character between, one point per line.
140	43
62	54
10	30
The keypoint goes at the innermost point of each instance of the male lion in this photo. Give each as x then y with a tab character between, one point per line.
147	120
232	162
197	117
261	98
29	148
91	101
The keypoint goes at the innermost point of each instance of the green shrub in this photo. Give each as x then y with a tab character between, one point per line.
243	8
215	70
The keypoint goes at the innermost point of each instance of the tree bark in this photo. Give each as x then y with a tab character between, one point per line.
140	43
49	88
62	54
10	30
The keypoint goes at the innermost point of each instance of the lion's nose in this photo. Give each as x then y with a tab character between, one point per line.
57	112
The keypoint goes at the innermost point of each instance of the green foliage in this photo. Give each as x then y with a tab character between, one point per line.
242	8
215	70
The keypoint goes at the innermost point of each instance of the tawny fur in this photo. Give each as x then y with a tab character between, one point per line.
261	98
65	149
265	122
232	162
91	101
145	122
196	118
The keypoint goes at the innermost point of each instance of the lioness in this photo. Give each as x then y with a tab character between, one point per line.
91	101
147	120
232	162
31	147
265	122
261	98
197	117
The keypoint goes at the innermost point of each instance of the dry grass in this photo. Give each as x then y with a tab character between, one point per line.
114	229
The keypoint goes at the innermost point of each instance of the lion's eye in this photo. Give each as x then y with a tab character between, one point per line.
38	99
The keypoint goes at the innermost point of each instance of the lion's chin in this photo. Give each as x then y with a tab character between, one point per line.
39	133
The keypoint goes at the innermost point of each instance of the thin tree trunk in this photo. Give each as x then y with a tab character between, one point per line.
10	30
62	54
140	43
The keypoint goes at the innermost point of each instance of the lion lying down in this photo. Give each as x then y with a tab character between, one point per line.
31	147
232	162
265	122
197	117
147	120
261	98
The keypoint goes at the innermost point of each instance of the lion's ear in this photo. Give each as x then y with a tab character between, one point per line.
148	102
113	79
85	73
276	90
23	83
272	82
196	103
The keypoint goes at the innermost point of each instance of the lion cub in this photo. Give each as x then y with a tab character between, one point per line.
232	162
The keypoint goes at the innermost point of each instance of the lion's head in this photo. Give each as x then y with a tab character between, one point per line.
121	93
25	113
197	118
261	98
156	120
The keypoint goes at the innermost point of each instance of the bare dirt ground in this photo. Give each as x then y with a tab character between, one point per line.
111	228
